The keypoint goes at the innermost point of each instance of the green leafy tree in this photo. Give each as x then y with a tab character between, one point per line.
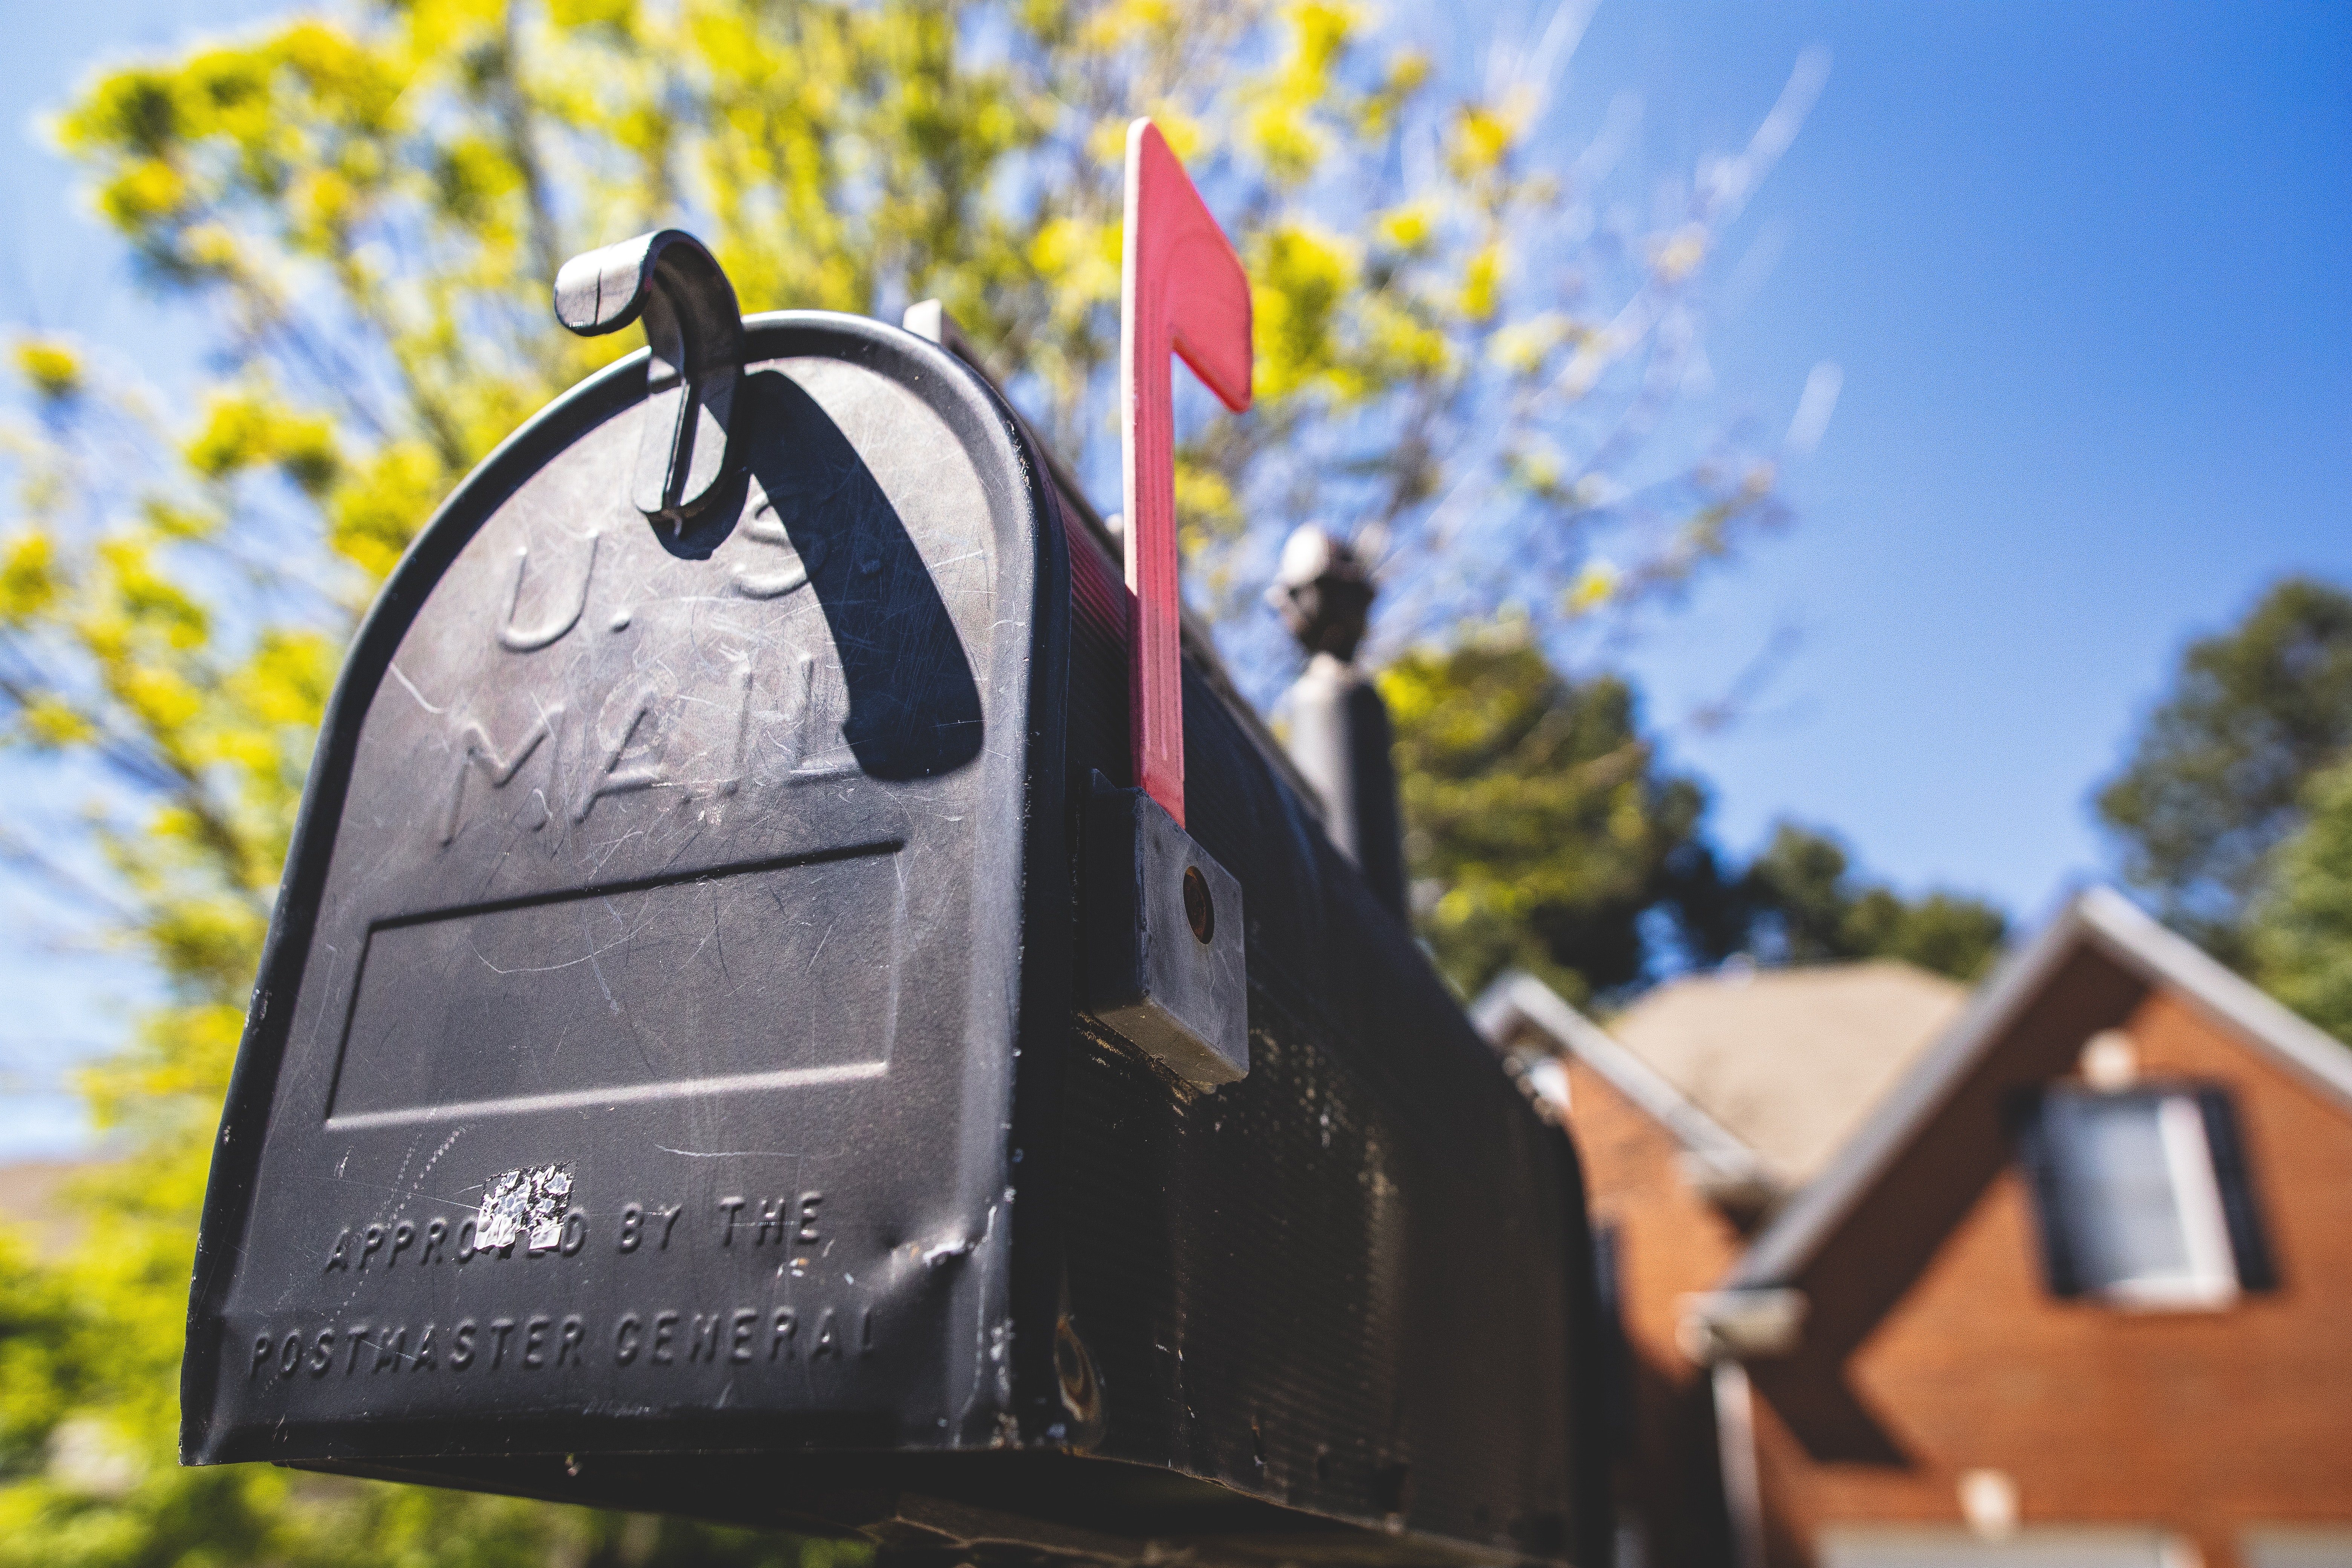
1542	833
1806	906
1539	825
2217	776
2300	926
367	208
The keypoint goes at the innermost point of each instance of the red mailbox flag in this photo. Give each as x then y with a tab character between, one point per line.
1182	289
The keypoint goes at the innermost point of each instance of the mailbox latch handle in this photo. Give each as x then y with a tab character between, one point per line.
1181	290
695	329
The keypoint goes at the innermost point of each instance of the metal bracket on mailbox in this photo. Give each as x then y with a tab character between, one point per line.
1163	964
695	329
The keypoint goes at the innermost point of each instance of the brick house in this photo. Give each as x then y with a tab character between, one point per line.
2057	1276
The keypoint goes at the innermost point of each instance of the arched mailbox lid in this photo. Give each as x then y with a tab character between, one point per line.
631	1061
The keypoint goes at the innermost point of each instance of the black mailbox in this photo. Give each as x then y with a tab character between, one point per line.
671	1083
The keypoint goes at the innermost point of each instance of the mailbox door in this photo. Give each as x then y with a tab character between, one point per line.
632	1065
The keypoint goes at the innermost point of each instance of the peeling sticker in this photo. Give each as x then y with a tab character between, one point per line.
525	1204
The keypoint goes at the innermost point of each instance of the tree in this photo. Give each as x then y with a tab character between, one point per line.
370	209
1538	826
2217	776
1543	834
1806	907
2300	928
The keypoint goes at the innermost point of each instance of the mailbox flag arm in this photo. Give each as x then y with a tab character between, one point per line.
695	329
1181	290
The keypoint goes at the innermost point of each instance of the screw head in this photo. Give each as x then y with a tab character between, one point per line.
1199	910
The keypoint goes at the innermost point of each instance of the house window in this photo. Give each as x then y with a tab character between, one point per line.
2142	1196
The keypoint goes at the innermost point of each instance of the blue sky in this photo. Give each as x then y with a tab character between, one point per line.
2084	269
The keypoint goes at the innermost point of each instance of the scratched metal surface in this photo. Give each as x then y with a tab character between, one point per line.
679	880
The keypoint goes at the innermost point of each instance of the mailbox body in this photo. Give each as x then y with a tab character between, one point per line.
707	897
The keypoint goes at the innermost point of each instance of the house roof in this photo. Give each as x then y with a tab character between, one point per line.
1760	1075
1518	1000
2101	921
1789	1061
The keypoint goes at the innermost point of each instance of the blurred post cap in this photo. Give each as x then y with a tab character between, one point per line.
1322	592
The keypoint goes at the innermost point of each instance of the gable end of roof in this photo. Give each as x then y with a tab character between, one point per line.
2139	943
2099	918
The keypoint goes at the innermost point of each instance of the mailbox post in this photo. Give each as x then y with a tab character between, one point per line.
1340	731
732	1042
